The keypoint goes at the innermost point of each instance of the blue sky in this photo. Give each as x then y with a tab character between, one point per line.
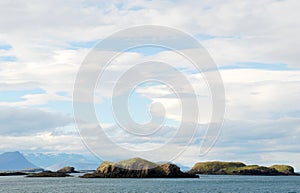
254	44
5	46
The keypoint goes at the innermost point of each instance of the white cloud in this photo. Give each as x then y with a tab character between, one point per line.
260	94
28	121
39	39
44	142
234	31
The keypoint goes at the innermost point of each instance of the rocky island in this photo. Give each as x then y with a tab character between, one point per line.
138	168
13	174
63	172
239	168
67	170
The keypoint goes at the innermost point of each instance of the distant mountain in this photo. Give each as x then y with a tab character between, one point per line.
52	161
183	167
14	161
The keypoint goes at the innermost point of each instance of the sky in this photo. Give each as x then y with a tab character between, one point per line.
255	45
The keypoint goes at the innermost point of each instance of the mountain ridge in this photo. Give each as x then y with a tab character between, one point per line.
10	161
52	161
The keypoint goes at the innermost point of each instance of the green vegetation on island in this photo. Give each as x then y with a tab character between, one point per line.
238	168
285	169
138	168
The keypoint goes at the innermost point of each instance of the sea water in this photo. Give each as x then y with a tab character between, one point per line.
206	183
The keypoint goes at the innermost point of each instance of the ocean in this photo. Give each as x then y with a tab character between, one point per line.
206	183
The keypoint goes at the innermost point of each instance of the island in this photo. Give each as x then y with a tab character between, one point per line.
138	168
67	169
239	168
141	168
63	172
13	173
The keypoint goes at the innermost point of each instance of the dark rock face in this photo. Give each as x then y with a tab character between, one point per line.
173	171
67	169
138	168
49	174
238	168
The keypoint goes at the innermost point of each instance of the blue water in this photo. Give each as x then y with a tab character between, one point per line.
219	184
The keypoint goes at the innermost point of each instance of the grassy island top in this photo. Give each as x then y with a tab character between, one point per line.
239	168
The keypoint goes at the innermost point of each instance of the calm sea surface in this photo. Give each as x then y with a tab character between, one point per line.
210	183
